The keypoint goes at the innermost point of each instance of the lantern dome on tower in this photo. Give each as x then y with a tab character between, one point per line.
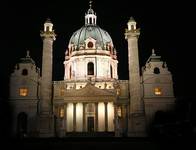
27	59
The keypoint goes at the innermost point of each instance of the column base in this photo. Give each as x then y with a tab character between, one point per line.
137	134
46	125
60	128
137	125
118	133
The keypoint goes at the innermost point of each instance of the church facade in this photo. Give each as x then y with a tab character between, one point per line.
91	98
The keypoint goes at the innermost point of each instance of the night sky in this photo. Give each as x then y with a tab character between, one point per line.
167	27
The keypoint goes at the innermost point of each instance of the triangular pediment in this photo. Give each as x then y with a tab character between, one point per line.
90	91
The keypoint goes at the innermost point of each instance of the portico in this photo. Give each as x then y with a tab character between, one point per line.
89	109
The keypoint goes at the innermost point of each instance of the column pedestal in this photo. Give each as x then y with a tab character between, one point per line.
136	125
46	125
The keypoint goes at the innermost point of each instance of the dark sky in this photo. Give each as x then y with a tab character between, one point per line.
166	26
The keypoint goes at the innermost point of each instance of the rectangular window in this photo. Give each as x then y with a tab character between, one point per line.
157	91
62	112
62	91
23	91
119	112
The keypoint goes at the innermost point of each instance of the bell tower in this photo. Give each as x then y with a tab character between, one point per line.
136	120
46	119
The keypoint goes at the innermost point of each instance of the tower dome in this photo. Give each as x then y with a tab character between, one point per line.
101	37
91	53
90	36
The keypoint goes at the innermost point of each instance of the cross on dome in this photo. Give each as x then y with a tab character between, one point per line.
90	4
153	52
28	52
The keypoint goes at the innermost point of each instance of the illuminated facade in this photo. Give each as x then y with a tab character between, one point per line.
91	98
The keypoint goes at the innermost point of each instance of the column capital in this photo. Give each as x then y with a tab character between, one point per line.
105	103
96	103
49	35
84	103
132	33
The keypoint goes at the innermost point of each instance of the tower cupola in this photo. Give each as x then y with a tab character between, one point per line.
131	24
48	26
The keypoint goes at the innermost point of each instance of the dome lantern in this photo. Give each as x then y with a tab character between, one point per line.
90	16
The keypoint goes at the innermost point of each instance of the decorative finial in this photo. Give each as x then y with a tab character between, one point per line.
165	65
153	52
16	66
131	19
28	56
90	4
48	20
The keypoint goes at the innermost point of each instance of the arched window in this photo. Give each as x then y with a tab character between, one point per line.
132	27
90	67
90	21
47	28
156	70
24	72
22	124
111	71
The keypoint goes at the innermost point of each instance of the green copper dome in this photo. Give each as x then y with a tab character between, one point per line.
91	31
101	36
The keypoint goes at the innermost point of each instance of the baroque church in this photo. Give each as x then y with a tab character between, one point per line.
91	99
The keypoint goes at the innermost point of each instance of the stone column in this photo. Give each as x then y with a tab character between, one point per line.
96	117
106	116
46	118
116	121
74	117
84	117
136	123
48	36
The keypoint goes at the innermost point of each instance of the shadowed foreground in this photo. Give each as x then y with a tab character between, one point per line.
100	143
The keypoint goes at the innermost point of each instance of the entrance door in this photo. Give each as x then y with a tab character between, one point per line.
90	123
22	124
